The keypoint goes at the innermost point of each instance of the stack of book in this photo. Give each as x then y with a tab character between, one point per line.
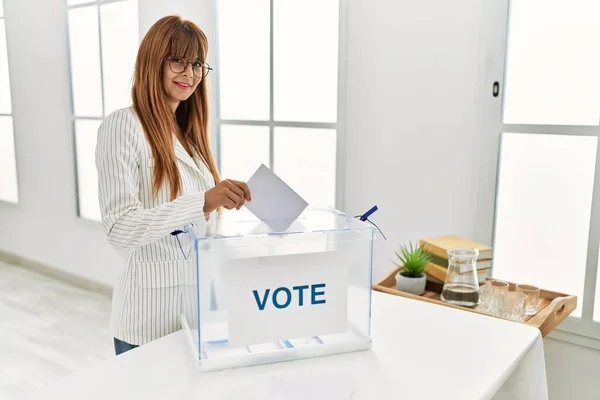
438	248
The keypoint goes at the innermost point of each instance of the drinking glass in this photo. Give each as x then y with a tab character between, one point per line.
499	290
533	296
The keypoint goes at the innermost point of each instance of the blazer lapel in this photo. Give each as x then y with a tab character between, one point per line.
184	157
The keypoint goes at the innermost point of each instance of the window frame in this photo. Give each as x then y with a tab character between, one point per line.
339	126
5	202
495	23
74	118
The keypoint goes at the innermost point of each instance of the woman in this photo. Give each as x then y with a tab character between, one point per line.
157	173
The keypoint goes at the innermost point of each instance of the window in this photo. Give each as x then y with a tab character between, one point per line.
547	213
103	42
9	191
278	92
545	189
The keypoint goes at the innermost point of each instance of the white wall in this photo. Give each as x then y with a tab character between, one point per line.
44	226
412	117
572	371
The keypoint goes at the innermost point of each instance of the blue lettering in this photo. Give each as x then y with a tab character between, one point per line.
300	290
264	301
287	292
314	293
316	290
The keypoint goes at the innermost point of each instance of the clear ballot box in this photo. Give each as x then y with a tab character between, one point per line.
261	292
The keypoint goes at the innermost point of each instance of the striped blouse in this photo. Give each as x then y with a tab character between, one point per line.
151	291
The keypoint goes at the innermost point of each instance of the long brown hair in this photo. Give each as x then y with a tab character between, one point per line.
171	36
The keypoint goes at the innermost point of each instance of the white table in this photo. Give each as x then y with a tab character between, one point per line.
420	350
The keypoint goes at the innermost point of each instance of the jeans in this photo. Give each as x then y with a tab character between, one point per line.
122	347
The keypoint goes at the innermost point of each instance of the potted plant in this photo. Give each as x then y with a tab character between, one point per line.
411	276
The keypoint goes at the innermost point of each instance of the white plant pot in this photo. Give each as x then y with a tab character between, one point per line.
411	285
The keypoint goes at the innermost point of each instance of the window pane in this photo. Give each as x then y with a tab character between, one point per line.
305	55
544	205
85	61
119	50
5	104
86	132
552	63
243	149
305	159
244	60
75	2
8	167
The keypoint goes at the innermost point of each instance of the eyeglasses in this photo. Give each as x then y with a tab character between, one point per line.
178	65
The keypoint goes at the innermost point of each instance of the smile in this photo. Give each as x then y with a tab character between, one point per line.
183	85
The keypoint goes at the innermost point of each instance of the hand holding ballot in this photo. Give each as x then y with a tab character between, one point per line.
266	195
228	193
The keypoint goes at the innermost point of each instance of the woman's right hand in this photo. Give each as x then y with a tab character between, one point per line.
228	193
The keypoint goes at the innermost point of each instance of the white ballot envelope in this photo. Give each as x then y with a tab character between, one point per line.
273	201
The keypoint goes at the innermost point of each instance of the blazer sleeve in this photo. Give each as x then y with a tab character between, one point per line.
126	222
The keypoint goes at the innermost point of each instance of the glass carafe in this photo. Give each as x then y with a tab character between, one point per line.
461	287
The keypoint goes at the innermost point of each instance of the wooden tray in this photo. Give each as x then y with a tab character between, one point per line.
553	307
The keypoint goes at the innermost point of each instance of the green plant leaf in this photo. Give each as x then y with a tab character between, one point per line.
412	260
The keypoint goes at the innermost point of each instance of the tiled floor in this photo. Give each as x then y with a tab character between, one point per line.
48	329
